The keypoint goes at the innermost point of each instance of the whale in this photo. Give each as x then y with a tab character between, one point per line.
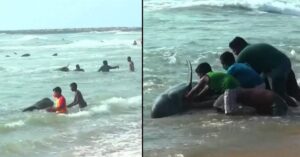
64	69
42	104
172	101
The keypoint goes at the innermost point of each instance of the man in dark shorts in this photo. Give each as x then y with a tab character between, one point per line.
78	99
266	59
105	67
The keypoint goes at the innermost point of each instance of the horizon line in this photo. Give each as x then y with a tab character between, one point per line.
71	30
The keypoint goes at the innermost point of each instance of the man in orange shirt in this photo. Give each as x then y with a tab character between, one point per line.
60	102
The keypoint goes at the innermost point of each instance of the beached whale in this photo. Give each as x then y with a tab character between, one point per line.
172	100
42	104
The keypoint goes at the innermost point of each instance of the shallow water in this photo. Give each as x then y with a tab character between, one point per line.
109	126
200	31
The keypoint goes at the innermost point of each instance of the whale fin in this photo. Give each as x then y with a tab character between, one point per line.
191	74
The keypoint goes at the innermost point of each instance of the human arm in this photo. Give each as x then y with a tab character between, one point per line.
75	101
113	67
100	69
201	86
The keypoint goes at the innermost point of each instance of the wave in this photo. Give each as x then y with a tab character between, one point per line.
281	7
14	124
76	44
32	37
111	106
71	30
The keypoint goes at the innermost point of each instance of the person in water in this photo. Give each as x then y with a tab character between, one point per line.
78	68
266	59
131	64
134	43
247	77
60	102
105	67
78	99
216	82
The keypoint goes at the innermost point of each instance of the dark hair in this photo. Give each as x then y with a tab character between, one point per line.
203	68
105	62
129	58
73	84
77	65
227	58
57	89
238	43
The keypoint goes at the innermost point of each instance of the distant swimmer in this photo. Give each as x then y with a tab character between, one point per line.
134	43
78	68
55	54
131	64
78	99
60	102
65	68
105	67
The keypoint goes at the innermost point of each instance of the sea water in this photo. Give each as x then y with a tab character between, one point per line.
200	30
111	123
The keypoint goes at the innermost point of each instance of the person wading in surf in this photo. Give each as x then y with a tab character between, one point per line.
78	99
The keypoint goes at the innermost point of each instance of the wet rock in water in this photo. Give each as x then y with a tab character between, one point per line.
25	55
55	54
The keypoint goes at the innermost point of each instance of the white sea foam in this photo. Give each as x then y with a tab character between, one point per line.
14	124
32	37
282	7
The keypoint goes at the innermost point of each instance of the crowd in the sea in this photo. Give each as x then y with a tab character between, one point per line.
60	102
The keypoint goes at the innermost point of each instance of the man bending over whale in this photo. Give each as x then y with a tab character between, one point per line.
247	77
266	59
60	102
265	102
217	82
78	99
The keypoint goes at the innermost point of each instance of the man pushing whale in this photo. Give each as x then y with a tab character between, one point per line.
48	104
233	100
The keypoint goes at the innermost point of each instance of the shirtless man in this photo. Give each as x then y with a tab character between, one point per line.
78	99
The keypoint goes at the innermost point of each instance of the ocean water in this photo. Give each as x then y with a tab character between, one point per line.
200	30
109	126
